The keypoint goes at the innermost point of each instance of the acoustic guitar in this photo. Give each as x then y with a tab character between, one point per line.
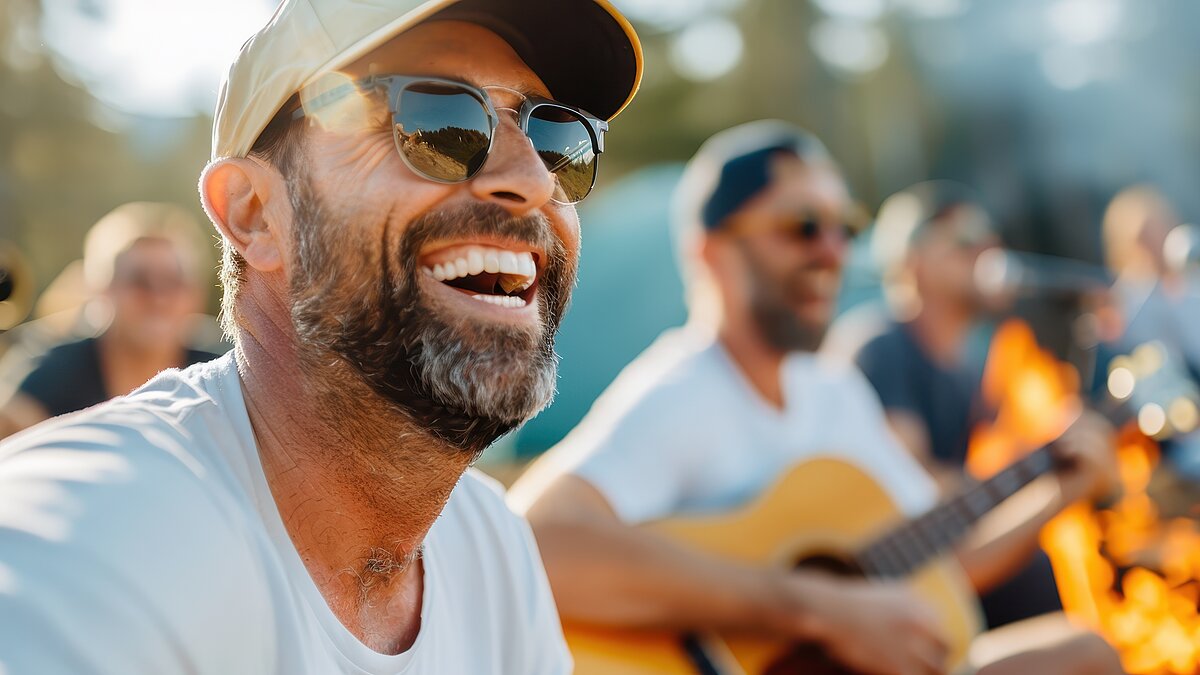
828	514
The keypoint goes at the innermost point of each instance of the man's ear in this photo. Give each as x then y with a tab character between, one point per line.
237	194
711	248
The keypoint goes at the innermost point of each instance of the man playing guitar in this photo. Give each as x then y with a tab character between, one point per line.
712	413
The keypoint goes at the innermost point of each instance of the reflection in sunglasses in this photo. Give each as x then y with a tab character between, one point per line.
444	129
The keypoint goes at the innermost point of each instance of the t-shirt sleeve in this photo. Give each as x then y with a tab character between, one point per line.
118	563
882	362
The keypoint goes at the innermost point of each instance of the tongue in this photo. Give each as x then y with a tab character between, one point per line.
488	283
480	283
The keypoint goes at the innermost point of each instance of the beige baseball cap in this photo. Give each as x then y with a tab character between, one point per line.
585	51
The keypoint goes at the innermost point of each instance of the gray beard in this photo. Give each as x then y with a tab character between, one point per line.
357	306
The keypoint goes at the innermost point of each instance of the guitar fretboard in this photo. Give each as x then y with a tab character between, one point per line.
908	547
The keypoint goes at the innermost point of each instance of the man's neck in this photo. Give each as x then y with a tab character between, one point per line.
357	485
941	329
759	362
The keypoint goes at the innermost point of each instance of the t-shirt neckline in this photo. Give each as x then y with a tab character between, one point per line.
348	645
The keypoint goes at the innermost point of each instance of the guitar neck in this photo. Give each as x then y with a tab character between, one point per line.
908	547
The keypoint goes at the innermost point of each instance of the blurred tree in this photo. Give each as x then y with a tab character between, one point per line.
65	160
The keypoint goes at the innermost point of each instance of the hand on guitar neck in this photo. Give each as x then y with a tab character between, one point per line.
1086	464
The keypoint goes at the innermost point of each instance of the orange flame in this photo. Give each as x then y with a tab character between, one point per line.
1151	618
1035	397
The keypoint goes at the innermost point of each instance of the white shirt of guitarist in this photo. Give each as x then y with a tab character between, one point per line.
140	538
681	431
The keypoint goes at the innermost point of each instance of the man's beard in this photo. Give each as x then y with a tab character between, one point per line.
774	315
463	380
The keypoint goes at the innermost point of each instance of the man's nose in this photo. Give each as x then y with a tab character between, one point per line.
514	177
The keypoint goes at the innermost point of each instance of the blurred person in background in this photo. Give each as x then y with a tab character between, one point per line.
394	184
713	413
927	239
1155	296
146	264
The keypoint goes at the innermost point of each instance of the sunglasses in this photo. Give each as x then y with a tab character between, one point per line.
809	230
150	283
806	230
444	130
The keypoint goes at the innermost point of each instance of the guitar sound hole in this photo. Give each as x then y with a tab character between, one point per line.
810	659
829	563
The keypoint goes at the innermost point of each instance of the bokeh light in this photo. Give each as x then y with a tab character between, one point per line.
707	49
850	47
106	44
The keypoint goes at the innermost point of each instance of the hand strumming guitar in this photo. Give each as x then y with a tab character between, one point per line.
873	628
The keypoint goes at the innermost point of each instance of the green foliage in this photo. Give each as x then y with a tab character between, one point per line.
65	160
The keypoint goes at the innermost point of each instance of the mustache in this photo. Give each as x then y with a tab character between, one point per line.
478	220
556	277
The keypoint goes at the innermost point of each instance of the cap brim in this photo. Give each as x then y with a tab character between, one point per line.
585	51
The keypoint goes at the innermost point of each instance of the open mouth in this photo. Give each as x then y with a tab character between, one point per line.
497	276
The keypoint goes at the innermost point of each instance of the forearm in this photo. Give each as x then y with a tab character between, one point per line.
609	573
1005	539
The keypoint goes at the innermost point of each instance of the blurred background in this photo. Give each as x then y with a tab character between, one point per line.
1047	107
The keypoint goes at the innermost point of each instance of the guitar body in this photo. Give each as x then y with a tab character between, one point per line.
822	510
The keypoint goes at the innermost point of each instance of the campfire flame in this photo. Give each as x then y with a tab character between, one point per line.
1121	571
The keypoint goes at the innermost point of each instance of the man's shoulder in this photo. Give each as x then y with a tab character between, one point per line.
478	499
133	462
68	353
891	338
148	418
673	375
837	383
479	536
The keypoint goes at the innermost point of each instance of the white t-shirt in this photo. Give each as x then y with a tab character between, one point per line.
682	431
140	537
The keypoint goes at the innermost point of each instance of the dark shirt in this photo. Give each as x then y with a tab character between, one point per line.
68	377
907	379
947	401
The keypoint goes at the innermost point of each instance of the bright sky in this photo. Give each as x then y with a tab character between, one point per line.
166	57
155	57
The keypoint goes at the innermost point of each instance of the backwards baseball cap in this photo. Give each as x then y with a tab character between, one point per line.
585	51
735	165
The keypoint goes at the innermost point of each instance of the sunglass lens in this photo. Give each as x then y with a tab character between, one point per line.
562	139
442	130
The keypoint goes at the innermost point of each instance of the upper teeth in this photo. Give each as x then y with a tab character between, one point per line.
517	270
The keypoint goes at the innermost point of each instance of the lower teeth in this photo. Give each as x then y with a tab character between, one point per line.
512	302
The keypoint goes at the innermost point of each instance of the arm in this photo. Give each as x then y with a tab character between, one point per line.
1003	541
603	571
19	413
